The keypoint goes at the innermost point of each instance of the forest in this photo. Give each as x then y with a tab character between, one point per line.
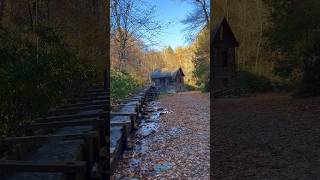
279	43
133	31
48	56
49	50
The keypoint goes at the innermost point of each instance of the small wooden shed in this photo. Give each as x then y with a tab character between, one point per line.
223	58
168	80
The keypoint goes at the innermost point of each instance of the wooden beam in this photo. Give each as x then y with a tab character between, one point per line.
134	98
31	166
71	117
94	94
128	101
59	124
78	109
121	105
84	116
104	102
120	123
97	90
135	104
112	114
41	138
94	98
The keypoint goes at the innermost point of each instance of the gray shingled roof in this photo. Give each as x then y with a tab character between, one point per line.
162	73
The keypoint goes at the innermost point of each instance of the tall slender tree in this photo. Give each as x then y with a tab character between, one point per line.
131	21
199	18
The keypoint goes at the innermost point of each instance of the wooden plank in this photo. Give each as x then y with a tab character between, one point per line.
70	117
120	123
84	116
135	104
128	101
94	98
121	105
93	94
120	145
31	166
112	114
78	109
59	124
96	90
41	138
104	102
134	98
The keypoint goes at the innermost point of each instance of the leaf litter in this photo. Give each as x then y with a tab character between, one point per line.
172	140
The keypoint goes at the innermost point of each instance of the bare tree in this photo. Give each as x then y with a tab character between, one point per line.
199	18
249	20
131	22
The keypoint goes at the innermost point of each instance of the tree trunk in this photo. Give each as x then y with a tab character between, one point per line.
260	36
2	7
30	16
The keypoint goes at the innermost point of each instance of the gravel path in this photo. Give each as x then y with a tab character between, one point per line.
179	146
270	136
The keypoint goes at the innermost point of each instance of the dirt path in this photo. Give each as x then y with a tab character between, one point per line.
179	148
271	136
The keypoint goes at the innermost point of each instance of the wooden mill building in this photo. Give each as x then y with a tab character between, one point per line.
223	59
168	80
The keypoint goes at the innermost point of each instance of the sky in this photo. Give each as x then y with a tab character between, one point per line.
173	11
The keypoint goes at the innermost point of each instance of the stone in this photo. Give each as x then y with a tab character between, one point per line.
163	167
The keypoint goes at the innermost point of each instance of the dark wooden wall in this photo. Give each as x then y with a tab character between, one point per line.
224	64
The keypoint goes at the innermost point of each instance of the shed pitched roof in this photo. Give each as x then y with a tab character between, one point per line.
215	32
163	73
